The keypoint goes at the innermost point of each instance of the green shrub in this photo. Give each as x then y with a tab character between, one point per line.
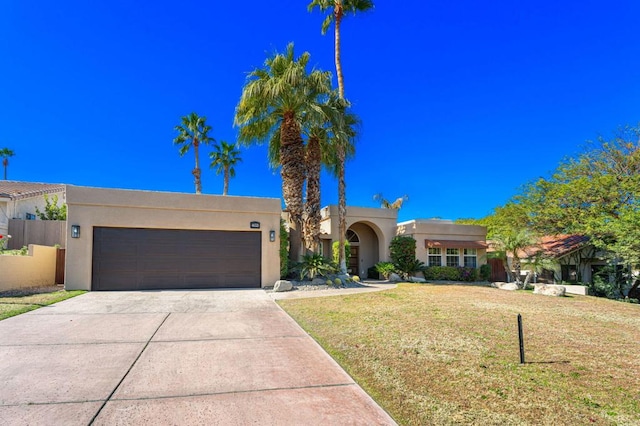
441	273
284	251
337	282
402	250
385	269
485	272
335	251
356	278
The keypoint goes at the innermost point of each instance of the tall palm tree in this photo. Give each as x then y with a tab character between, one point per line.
5	153
274	101
224	157
337	9
192	133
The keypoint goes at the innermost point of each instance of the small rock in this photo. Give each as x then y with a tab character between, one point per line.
394	277
505	286
550	290
417	280
318	281
282	285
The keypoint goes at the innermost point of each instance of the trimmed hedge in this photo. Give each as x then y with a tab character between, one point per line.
450	273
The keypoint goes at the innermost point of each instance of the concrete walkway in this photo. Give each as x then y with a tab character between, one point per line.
218	357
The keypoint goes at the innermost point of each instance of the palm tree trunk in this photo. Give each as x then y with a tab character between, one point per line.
337	11
196	170
225	187
5	163
293	176
313	158
342	196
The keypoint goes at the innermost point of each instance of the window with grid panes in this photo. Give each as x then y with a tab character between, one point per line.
435	256
453	257
470	258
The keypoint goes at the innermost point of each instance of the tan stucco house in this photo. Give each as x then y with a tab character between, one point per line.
370	231
137	240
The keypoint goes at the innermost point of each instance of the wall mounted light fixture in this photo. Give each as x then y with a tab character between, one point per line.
75	231
272	236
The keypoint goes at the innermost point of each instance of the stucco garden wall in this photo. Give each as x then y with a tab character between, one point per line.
100	207
36	269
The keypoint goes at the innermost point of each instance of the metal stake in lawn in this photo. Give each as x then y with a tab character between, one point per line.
521	338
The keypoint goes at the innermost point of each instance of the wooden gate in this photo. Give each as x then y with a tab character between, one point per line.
498	274
60	256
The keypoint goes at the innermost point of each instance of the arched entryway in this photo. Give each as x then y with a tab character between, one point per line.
365	251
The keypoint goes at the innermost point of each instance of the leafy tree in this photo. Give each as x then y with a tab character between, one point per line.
274	101
6	153
224	157
386	204
52	211
192	133
596	194
336	10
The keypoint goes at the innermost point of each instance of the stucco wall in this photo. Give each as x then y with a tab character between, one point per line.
382	223
36	269
436	229
89	207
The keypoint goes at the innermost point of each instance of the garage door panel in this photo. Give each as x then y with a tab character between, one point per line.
141	259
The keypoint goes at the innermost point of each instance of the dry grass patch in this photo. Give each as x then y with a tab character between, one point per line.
16	302
448	354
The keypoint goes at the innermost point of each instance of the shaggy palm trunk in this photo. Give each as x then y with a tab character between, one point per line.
196	170
225	187
293	176
313	158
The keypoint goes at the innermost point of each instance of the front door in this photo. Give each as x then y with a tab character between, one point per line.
354	261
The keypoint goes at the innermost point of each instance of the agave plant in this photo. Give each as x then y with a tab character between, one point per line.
313	265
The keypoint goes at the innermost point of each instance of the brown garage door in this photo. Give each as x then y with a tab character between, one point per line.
149	259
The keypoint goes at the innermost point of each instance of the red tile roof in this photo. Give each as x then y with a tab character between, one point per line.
18	190
556	245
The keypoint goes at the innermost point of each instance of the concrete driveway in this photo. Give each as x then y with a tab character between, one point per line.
228	357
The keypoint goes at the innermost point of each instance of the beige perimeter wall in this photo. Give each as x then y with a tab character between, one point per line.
89	207
36	269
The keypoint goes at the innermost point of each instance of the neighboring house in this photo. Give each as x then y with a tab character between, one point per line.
370	231
572	259
18	200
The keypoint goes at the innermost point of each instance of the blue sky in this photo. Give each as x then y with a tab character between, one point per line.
461	102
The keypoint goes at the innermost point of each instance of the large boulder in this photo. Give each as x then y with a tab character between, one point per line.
394	277
282	285
550	290
417	280
505	286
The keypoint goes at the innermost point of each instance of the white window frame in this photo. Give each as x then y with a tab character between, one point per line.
451	254
435	254
471	256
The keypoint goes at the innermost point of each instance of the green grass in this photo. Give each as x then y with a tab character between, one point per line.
448	354
18	302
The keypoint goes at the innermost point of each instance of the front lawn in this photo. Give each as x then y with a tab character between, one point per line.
17	302
448	354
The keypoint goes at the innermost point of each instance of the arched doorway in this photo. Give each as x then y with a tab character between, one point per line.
365	252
